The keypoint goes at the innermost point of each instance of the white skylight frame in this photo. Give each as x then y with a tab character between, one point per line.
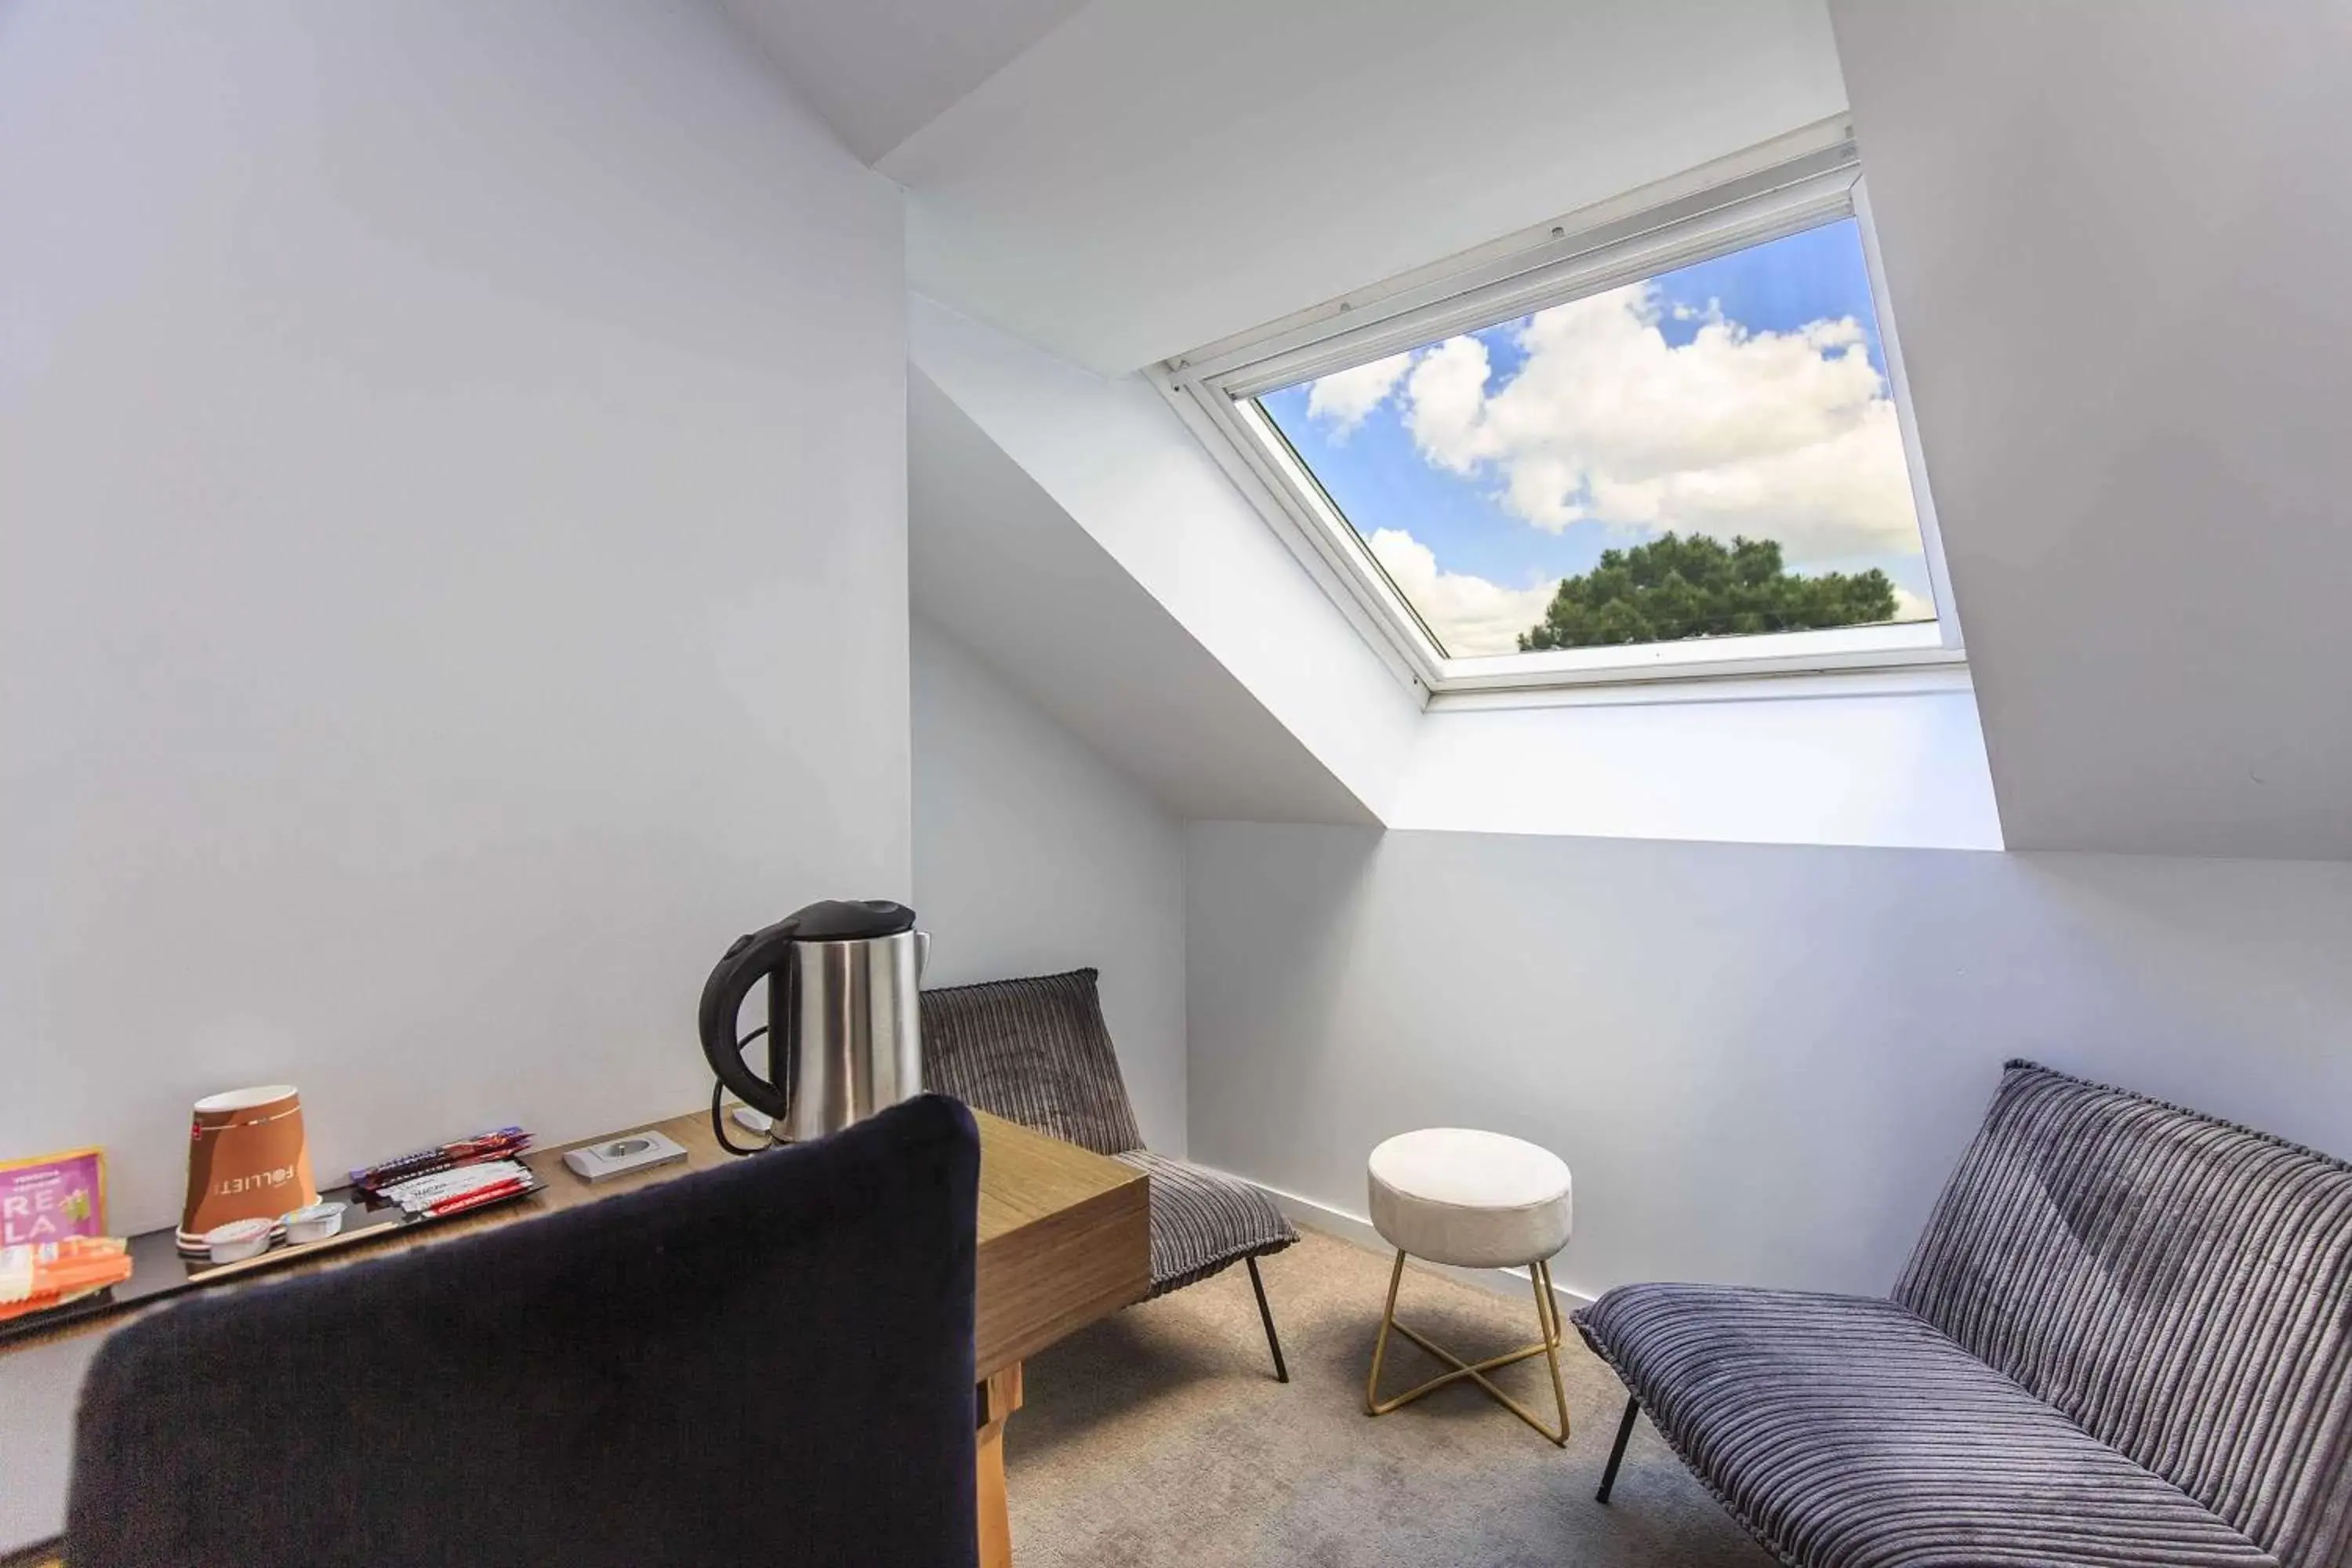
1798	182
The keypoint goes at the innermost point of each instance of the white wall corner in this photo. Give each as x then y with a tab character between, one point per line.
1034	855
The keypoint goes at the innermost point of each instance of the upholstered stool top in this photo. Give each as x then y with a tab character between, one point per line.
1478	1200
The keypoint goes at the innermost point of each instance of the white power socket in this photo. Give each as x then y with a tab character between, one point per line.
619	1156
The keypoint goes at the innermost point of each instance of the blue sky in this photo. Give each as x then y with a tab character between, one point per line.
1782	420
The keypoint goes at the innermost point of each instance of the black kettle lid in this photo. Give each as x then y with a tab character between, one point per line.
852	920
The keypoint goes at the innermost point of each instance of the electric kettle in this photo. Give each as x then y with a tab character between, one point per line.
843	1038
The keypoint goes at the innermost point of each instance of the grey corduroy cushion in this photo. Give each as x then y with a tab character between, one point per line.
1203	1221
1843	1432
1032	1050
1036	1050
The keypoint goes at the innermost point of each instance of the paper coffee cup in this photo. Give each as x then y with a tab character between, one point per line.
248	1159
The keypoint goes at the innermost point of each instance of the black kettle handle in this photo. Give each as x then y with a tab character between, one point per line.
750	958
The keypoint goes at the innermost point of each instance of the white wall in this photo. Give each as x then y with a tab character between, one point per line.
1760	1061
452	504
2117	238
1034	856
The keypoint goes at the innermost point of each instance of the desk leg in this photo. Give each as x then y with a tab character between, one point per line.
1000	1396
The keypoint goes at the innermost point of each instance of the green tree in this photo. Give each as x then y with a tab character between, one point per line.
1673	588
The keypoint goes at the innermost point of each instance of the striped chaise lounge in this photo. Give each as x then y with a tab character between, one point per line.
1036	1051
2126	1338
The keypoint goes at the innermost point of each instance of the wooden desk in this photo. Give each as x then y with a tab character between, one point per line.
1065	1240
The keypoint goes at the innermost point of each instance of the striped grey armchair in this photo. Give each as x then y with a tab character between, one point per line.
1035	1051
2126	1338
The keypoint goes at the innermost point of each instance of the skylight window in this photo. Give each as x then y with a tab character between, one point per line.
1670	442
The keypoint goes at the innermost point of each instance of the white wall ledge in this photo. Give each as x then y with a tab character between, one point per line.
1889	760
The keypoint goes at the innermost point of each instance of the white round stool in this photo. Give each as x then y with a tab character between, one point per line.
1476	1200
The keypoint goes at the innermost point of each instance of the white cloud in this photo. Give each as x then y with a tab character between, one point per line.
1786	435
1344	399
1911	607
1471	616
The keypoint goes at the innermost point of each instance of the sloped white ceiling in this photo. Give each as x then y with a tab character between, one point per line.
999	563
1156	174
1114	457
876	69
2116	239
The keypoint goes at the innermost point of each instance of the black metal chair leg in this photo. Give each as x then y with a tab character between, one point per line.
1617	1454
1265	1315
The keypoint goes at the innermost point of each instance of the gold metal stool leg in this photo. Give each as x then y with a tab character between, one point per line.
1547	1325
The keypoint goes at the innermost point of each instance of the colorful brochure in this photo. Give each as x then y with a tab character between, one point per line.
53	1197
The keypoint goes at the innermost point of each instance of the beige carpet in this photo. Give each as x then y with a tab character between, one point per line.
1161	1437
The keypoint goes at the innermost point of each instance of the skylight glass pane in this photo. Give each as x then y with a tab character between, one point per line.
1519	484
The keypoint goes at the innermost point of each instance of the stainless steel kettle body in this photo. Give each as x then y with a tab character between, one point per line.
844	1030
844	1027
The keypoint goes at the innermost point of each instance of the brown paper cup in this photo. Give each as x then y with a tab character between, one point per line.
248	1159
